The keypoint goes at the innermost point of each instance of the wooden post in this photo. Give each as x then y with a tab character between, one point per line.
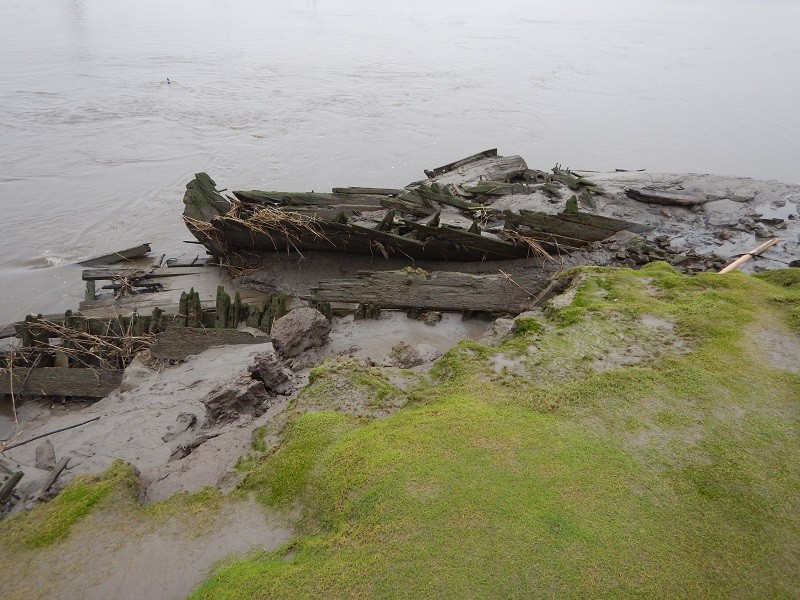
8	486
90	291
183	309
223	306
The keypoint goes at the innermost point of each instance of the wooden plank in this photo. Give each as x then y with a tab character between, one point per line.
471	241
178	343
500	188
661	197
55	381
100	273
460	163
499	168
307	198
116	257
555	225
367	190
439	290
332	211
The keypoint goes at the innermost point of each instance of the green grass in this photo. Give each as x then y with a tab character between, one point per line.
571	473
52	522
672	476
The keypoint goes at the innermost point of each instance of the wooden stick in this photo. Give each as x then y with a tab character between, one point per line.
51	478
48	433
747	256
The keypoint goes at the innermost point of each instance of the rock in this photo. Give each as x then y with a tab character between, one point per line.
182	423
269	369
430	317
405	356
299	330
499	330
45	456
231	399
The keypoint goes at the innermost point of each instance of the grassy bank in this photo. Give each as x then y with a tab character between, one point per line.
636	441
638	438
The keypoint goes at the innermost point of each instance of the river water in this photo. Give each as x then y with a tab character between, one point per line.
96	146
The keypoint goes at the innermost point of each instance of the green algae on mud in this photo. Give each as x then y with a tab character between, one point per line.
52	521
670	474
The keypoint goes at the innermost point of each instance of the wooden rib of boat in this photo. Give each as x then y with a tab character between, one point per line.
362	220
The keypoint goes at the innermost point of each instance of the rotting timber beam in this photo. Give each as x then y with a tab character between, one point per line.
56	381
439	290
178	343
115	257
431	173
101	273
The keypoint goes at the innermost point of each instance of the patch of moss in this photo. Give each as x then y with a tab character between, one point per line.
280	478
527	325
52	521
666	477
349	385
787	278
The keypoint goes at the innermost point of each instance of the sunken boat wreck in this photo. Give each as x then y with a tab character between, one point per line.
452	216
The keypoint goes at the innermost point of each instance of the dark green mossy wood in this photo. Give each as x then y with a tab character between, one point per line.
183	309
156	321
367	311
194	310
572	206
323	307
387	223
274	308
222	309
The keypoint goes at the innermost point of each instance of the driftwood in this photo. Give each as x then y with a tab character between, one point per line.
115	257
100	273
367	191
51	478
661	197
460	163
441	290
308	199
38	437
755	252
178	343
55	381
8	486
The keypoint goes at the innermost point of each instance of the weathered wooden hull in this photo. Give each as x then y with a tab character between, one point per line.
265	222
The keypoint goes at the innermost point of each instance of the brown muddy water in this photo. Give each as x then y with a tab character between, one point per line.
307	94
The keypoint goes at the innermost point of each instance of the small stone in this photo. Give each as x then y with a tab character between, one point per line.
405	356
430	317
45	456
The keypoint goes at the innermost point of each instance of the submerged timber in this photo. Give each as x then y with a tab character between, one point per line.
449	217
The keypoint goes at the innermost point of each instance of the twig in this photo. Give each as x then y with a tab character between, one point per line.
507	276
48	433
